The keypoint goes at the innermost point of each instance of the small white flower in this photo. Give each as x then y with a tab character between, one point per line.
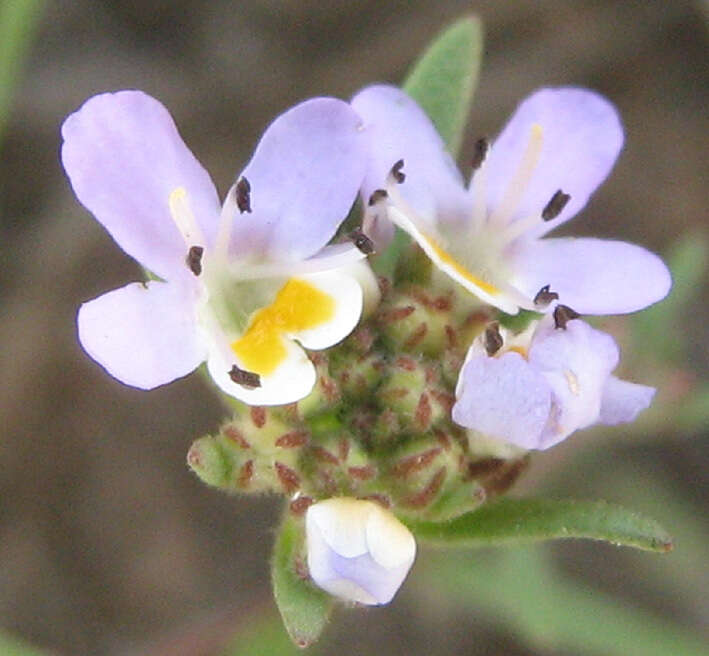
357	550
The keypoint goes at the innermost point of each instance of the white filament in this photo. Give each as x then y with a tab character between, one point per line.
518	185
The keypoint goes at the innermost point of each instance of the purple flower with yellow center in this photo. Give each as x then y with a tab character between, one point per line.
557	148
243	286
536	388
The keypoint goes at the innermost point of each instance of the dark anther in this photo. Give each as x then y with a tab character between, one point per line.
194	259
563	314
481	146
247	379
493	339
243	195
361	241
377	195
557	203
396	171
545	296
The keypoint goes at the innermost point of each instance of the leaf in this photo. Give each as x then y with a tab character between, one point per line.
11	646
443	80
304	608
18	20
654	327
519	589
531	520
262	634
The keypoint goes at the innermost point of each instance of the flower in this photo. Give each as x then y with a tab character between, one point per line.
239	283
357	550
536	388
556	149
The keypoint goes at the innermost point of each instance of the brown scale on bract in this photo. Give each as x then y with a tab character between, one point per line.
288	478
424	497
411	464
423	413
396	314
245	475
292	439
258	416
235	435
416	337
364	473
504	477
300	505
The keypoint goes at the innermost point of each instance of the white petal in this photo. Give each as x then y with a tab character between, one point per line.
346	293
342	522
388	540
291	381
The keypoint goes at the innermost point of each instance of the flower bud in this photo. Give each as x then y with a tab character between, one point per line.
357	550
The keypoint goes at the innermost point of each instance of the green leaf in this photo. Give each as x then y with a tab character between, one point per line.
262	634
443	80
304	608
656	326
18	20
519	589
11	646
531	520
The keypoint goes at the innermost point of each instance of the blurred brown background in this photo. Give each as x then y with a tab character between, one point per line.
108	545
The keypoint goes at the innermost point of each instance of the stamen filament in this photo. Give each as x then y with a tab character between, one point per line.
181	213
518	185
479	198
519	227
221	247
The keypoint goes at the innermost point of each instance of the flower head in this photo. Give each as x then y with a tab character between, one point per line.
536	388
241	283
556	149
357	550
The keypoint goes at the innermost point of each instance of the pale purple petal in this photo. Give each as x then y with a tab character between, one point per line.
504	398
379	584
124	157
304	178
593	276
576	363
397	128
143	335
622	401
582	136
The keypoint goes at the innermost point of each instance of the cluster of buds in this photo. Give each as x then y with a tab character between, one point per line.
377	425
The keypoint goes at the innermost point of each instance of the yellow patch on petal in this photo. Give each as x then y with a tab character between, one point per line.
298	306
519	349
446	258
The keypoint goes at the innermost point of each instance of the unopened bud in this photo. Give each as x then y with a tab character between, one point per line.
357	550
